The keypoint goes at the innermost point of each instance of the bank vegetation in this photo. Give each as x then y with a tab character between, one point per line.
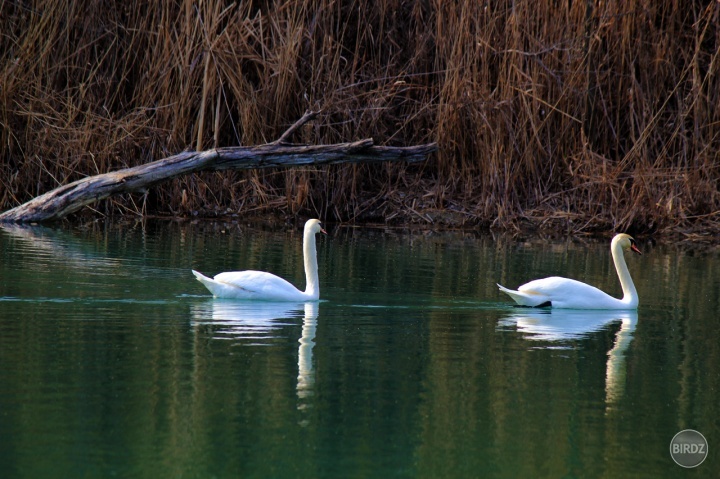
578	116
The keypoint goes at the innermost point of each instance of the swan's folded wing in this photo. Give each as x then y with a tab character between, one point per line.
258	285
568	293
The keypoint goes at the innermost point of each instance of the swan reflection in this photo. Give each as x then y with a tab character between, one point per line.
256	320
245	319
306	373
557	326
564	324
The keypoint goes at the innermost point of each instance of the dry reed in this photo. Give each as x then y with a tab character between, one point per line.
580	115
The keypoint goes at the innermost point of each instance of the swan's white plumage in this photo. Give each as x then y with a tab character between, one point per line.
251	285
259	285
567	293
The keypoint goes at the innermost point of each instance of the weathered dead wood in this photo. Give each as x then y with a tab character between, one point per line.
69	198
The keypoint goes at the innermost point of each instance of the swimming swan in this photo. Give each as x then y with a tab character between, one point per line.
262	286
570	294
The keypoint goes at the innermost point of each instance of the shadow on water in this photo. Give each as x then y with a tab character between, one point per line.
79	265
48	244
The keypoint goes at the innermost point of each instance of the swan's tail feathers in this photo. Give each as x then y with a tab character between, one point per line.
525	299
199	276
209	283
513	294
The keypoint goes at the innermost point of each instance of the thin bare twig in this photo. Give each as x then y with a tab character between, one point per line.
308	116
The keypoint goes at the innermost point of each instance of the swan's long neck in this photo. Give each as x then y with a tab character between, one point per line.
312	283
630	295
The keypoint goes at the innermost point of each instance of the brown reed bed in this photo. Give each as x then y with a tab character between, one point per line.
579	116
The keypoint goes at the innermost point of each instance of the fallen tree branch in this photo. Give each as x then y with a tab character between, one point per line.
67	199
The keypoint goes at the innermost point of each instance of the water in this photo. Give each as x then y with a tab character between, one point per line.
117	363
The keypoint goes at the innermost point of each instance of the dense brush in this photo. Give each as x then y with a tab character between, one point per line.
586	114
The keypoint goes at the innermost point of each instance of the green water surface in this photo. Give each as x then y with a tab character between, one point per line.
116	362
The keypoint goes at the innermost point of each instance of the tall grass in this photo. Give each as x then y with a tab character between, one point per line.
581	115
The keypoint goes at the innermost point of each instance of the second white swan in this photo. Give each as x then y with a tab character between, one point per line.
567	293
259	285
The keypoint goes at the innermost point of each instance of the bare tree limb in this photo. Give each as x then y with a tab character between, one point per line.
69	198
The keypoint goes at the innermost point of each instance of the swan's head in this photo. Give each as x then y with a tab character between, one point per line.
314	226
626	242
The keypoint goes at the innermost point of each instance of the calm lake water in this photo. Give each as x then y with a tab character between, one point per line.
116	362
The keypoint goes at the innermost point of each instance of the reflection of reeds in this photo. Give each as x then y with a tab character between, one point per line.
582	114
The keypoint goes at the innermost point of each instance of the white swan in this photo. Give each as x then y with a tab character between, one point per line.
571	294
259	285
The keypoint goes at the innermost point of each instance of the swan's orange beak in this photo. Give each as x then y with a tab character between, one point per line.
325	232
635	248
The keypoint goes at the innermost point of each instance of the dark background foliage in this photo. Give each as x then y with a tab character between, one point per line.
576	114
